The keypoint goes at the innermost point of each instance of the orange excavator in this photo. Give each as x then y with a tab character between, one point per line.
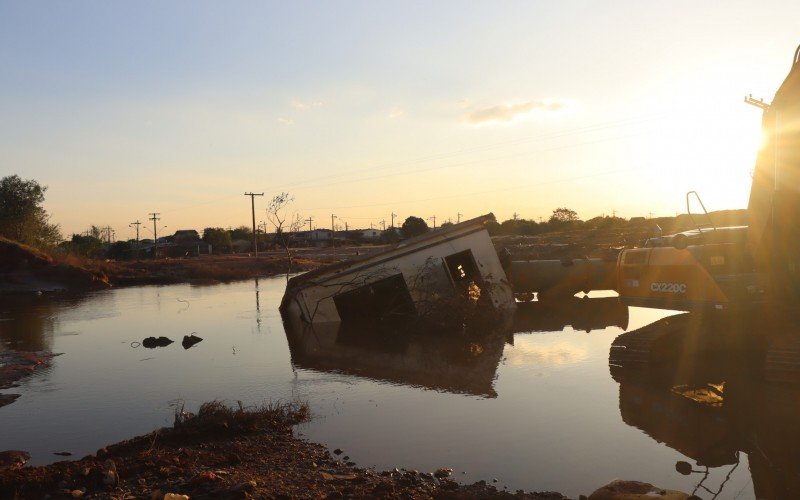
733	267
751	274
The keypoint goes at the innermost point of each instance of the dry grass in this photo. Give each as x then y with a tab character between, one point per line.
215	417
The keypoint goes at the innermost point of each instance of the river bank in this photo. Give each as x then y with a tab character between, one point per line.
227	452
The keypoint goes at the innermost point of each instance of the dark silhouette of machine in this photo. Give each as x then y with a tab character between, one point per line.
749	273
711	406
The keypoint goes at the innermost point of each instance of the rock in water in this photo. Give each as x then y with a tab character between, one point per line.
634	490
190	340
152	342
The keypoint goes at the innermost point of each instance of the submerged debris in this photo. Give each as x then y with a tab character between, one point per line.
190	340
152	342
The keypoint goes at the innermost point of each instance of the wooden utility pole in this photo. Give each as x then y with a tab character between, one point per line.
137	224
253	207
458	217
393	216
154	216
384	224
434	221
309	220
333	235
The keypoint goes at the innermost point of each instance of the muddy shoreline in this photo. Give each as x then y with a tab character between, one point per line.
15	366
227	452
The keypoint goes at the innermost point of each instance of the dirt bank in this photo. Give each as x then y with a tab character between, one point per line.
231	453
25	269
204	269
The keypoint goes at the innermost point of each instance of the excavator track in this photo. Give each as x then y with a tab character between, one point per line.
782	363
637	351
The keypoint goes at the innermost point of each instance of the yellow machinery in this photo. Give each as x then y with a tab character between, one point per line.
751	273
734	267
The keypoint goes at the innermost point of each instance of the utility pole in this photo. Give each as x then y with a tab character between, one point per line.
154	216
309	220
333	235
393	216
137	224
253	206
434	221
458	217
516	215
346	227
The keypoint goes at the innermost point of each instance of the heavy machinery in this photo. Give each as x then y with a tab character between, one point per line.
734	267
750	273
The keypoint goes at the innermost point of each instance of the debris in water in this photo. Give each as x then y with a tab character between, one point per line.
442	275
152	342
190	340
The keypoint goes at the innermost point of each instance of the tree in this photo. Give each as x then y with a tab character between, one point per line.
218	238
414	226
242	233
277	216
562	215
86	246
22	217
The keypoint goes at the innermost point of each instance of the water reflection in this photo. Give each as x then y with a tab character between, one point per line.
456	363
586	313
711	406
28	322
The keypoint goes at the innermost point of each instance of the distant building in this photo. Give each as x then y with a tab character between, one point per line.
371	234
317	235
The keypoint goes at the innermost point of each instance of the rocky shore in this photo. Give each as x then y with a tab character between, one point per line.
225	452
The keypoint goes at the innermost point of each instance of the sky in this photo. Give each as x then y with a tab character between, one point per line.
364	109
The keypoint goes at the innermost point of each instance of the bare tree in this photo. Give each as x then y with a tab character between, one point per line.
285	225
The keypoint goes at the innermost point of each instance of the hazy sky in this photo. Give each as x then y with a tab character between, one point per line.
364	108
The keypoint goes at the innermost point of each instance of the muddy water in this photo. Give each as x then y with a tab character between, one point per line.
535	409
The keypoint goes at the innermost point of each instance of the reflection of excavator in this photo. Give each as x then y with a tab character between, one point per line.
751	272
711	407
734	267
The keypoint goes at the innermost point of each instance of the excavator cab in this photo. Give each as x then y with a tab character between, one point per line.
734	267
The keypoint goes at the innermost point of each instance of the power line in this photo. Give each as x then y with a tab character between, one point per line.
438	156
466	163
474	193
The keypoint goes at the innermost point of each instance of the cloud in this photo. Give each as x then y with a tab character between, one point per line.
286	121
396	113
306	105
529	352
508	112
